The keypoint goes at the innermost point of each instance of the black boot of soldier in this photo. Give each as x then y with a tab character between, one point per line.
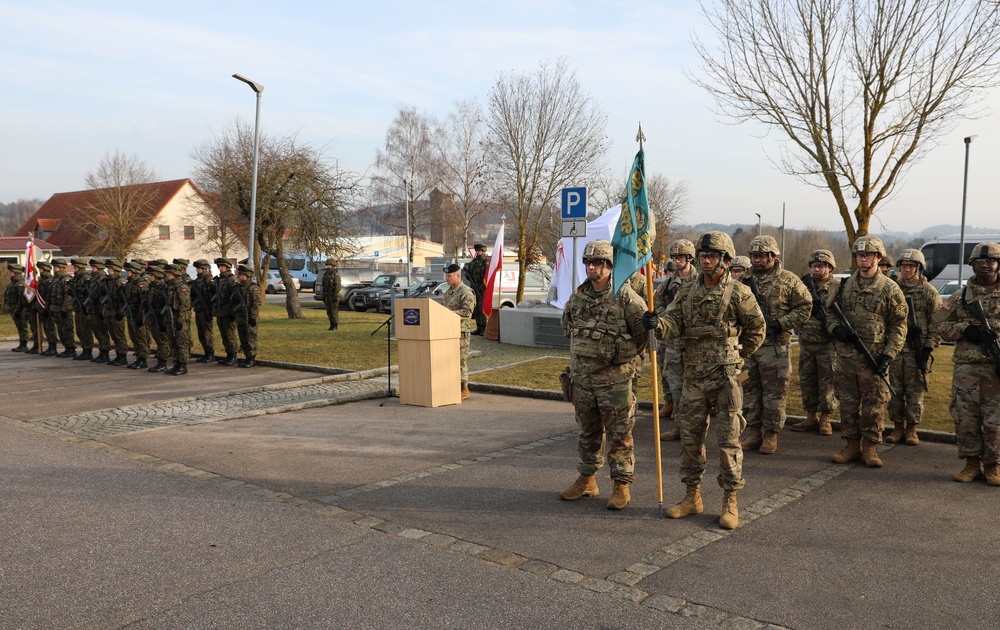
23	347
161	366
179	369
208	358
85	355
229	360
33	349
120	359
138	364
51	351
68	353
102	357
249	362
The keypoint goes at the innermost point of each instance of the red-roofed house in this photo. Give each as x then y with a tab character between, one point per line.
12	249
171	223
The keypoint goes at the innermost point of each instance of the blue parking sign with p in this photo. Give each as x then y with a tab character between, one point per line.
574	203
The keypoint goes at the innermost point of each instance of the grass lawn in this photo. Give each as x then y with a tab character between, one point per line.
354	347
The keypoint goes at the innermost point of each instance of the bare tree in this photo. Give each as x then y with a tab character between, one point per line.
406	170
14	214
861	88
302	196
120	206
545	134
218	225
460	159
667	201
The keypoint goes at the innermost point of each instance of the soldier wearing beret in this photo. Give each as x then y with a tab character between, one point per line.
331	293
461	300
203	304
225	287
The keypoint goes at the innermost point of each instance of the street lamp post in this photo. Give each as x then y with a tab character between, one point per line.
258	89
759	232
409	263
965	188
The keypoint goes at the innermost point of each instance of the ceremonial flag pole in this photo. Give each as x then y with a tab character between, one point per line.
31	285
492	273
633	250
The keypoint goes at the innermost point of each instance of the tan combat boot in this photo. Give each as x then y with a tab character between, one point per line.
897	433
910	434
619	496
667	408
992	473
970	472
769	442
585	486
671	434
824	424
851	452
465	391
730	518
752	439
691	504
869	454
808	424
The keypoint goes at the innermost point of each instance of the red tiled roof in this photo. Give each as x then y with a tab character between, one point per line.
19	243
62	208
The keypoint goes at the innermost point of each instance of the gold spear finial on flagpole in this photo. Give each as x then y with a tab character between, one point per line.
639	136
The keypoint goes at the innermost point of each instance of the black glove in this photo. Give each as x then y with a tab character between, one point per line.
974	333
842	334
252	322
178	326
119	318
924	355
650	320
773	328
883	362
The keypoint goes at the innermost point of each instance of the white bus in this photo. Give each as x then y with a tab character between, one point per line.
942	252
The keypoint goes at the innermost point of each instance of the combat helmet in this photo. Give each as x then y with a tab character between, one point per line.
823	256
868	244
764	244
682	247
715	241
985	250
740	261
600	249
886	261
914	256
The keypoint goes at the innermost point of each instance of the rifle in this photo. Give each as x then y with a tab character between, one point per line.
77	304
169	311
991	346
152	313
859	345
243	303
765	309
106	300
217	295
818	307
913	334
199	299
128	308
89	302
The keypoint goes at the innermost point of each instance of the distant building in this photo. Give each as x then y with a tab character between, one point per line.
12	249
378	250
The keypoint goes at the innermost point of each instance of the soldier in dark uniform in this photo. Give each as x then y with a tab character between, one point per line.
78	289
178	313
61	308
98	322
112	298
475	274
12	298
203	303
225	284
44	307
331	293
135	293
155	301
245	305
29	311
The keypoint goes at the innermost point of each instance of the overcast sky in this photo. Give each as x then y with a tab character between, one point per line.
78	80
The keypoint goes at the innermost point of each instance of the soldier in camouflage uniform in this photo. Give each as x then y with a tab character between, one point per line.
907	405
720	323
178	298
45	281
98	299
225	286
203	304
670	355
30	309
475	274
246	302
885	266
12	300
817	353
788	306
739	267
331	293
82	308
461	300
975	389
606	333
135	293
112	300
155	301
61	305
876	309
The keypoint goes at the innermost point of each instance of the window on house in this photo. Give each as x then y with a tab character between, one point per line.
213	232
188	232
164	232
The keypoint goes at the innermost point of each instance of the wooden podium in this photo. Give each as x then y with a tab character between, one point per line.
429	358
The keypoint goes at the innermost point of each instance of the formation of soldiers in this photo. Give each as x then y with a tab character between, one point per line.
866	344
110	306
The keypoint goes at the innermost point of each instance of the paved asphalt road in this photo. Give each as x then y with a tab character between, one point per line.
268	498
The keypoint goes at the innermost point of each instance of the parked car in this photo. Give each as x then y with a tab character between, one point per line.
949	288
351	279
536	287
421	289
364	299
275	284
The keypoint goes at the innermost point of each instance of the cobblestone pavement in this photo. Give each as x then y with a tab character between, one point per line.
493	354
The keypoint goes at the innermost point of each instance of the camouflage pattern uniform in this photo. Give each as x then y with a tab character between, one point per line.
817	353
203	304
876	309
247	292
13	299
906	406
136	292
45	281
225	286
975	390
113	300
720	327
78	289
766	388
461	300
331	293
155	301
98	322
475	273
606	333
61	308
670	354
178	300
